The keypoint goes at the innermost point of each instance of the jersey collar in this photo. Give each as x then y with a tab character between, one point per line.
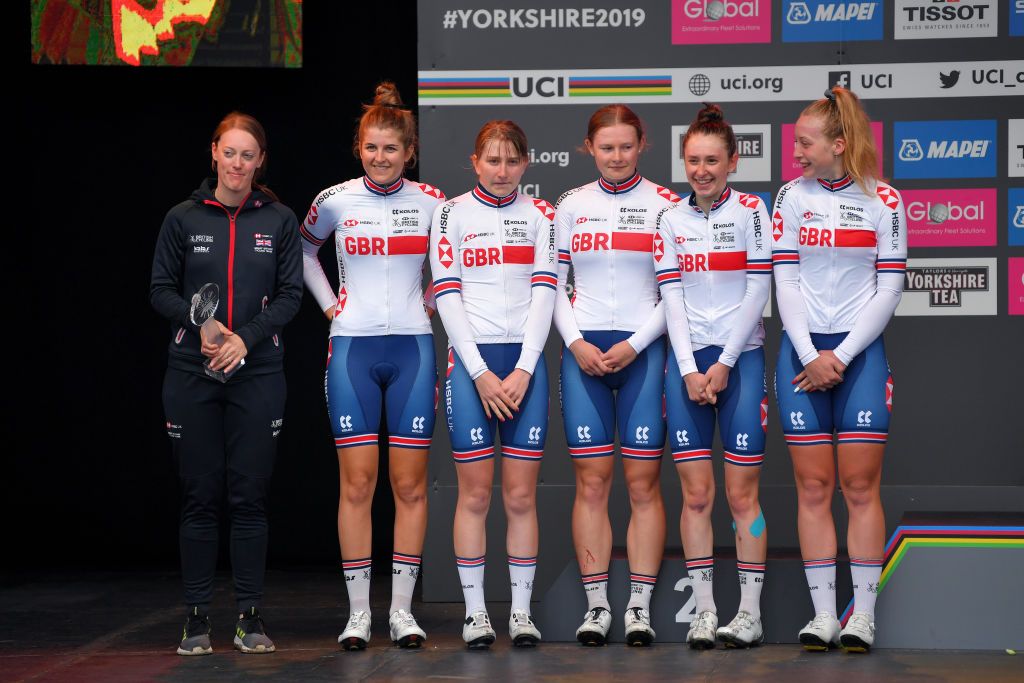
383	190
836	185
622	186
722	199
485	197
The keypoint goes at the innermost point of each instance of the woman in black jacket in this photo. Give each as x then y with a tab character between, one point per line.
224	391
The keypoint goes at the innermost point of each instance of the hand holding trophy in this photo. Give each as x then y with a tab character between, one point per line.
204	306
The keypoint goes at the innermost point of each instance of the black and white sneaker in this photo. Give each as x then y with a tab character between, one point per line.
195	639
477	631
357	631
594	629
521	628
250	634
859	633
638	627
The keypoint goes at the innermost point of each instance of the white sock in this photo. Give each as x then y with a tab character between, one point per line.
751	581
596	586
521	571
405	569
640	588
471	574
702	580
821	579
357	583
866	574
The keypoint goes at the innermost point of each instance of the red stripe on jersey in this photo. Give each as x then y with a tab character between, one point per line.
626	241
727	260
856	238
517	254
412	244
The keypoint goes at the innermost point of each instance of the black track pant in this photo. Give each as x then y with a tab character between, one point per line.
224	438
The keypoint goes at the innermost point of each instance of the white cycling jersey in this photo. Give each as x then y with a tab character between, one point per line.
840	256
493	263
381	237
606	231
714	271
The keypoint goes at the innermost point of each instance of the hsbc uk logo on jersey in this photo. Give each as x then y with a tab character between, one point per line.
945	149
943	19
814	21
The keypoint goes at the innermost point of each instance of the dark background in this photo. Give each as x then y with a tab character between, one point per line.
89	478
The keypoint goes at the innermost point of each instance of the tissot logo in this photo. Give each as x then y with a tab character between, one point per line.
821	20
916	19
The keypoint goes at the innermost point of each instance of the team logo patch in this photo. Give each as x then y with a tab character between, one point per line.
659	247
444	252
545	208
888	196
777	226
312	215
669	195
748	200
431	190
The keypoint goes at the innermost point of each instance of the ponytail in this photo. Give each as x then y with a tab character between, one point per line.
388	112
844	117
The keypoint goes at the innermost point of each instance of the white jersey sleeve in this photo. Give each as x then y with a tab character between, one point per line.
315	229
758	288
446	268
786	265
669	276
890	266
565	319
543	290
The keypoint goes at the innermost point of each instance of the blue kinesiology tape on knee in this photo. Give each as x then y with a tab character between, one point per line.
758	525
734	525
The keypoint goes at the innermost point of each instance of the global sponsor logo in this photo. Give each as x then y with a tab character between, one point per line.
813	21
917	19
951	218
1017	18
790	169
949	287
708	22
754	144
1015	147
1015	270
1015	209
945	149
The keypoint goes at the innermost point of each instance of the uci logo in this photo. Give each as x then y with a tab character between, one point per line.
546	86
911	150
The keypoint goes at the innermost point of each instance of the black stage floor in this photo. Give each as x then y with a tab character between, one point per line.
125	626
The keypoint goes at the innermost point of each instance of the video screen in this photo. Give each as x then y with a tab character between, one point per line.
263	33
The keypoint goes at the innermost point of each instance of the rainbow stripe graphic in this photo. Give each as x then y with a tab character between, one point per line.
907	537
464	87
619	86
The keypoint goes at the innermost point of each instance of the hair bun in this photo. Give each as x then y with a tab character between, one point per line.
387	94
710	113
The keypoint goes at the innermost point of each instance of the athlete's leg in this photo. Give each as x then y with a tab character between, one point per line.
252	421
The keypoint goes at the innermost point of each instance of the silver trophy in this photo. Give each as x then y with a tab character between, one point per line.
204	305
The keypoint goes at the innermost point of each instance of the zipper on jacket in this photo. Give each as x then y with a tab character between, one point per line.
231	253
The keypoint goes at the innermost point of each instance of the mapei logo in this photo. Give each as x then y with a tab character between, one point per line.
1015	209
945	149
827	20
